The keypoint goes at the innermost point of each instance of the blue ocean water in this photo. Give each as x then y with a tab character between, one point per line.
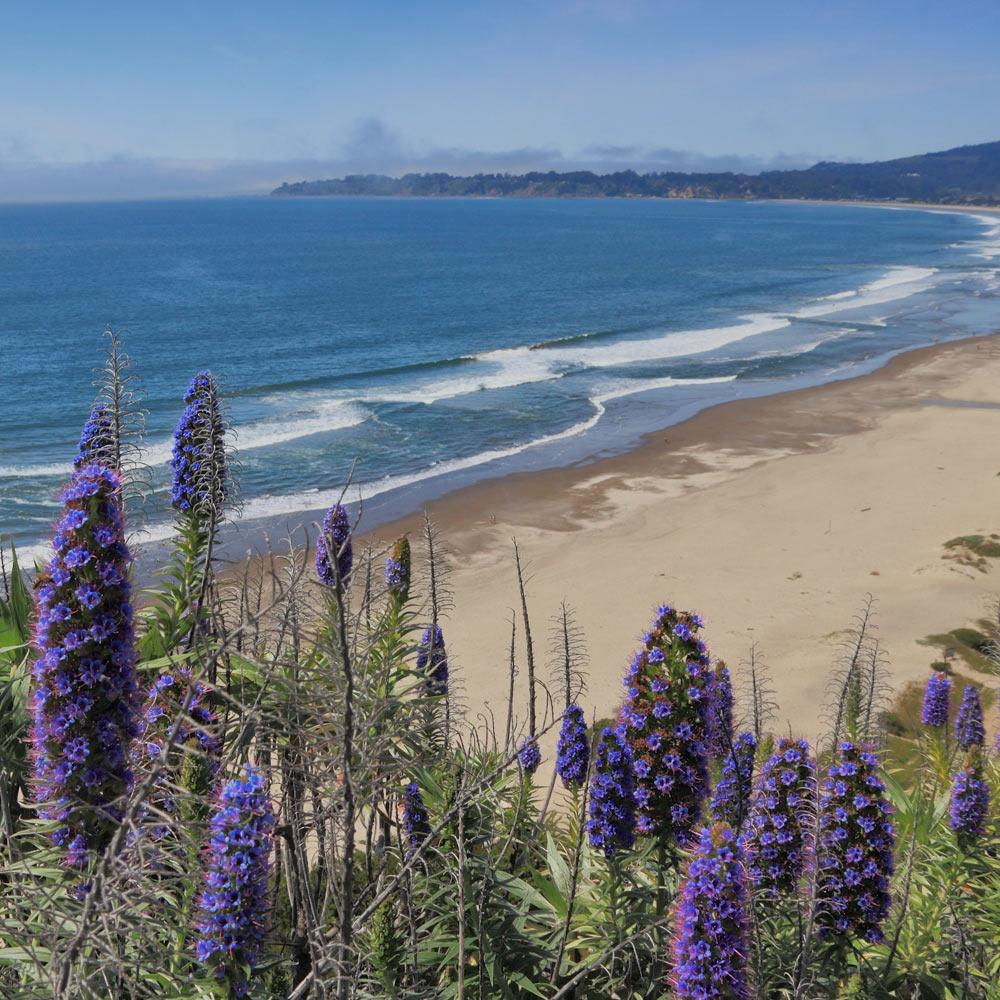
461	338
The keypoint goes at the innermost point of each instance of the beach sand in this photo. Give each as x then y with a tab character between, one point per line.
773	518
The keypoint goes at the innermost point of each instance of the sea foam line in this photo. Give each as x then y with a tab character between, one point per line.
270	506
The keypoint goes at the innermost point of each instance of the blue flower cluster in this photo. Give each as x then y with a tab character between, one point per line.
970	802
335	531
665	715
969	728
198	462
776	839
731	796
96	439
84	698
934	711
529	755
573	748
611	826
416	822
711	940
432	661
720	712
234	907
397	570
856	841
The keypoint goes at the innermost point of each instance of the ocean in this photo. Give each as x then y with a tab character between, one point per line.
416	345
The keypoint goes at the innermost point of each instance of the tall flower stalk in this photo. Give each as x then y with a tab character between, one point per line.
397	571
432	661
334	549
665	715
777	838
934	711
720	712
573	748
234	907
855	848
84	698
200	484
711	942
969	728
969	805
97	441
731	796
413	813
611	826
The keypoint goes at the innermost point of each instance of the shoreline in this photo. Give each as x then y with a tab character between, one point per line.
773	517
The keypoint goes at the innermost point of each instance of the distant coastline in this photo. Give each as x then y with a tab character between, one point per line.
966	176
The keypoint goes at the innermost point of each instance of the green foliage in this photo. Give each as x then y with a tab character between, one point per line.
966	175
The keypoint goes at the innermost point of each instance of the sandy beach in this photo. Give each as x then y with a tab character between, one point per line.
773	518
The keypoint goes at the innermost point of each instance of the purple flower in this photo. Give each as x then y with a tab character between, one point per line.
731	796
776	838
611	826
397	570
529	755
969	729
233	908
416	822
855	848
432	662
935	707
665	717
711	941
200	478
97	440
334	534
970	802
85	687
573	748
720	712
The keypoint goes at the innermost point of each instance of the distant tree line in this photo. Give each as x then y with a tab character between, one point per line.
968	175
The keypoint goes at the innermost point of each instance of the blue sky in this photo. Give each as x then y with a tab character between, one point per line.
124	99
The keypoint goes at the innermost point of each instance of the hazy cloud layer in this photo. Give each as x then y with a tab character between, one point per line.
372	147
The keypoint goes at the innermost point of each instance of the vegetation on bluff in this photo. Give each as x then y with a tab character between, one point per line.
263	784
967	175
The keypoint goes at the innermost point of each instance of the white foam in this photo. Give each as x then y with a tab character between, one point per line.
331	416
898	283
676	344
271	506
989	246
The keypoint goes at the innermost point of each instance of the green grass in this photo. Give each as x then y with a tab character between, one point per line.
971	645
974	550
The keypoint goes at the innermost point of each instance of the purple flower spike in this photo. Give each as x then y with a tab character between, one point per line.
432	661
397	570
529	755
416	822
335	535
200	478
720	712
611	826
233	908
969	729
777	839
97	442
711	940
731	796
84	697
970	802
935	707
573	748
856	841
665	716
